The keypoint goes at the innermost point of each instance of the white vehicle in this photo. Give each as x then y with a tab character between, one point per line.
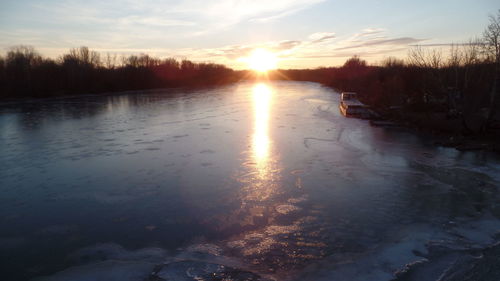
350	106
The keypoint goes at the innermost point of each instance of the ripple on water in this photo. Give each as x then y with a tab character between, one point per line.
281	248
286	209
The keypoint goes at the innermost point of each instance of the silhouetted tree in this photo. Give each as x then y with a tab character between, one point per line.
3	89
110	61
18	64
492	46
84	57
352	75
354	63
392	62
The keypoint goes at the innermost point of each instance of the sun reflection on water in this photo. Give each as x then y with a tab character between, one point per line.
263	176
271	231
261	104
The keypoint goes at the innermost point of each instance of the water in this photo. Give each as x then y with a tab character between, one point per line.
262	178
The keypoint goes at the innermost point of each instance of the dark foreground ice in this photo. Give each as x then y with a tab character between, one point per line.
254	181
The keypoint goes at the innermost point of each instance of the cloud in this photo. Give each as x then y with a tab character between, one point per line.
154	22
370	31
238	10
378	42
321	36
201	13
232	52
223	14
287	45
319	47
285	13
453	44
325	48
147	22
350	54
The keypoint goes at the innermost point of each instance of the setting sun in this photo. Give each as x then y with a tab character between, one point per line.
262	60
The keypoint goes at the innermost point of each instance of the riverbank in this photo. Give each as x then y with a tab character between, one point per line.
464	134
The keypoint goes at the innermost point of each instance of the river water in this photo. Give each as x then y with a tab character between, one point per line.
247	180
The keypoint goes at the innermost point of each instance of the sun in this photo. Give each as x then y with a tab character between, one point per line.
262	60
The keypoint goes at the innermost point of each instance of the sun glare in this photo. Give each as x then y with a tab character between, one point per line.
261	103
262	60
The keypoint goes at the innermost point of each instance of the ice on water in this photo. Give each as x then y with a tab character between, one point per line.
243	181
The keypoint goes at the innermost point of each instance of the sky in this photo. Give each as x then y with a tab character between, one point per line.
302	33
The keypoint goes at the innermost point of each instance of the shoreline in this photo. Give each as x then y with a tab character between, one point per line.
445	131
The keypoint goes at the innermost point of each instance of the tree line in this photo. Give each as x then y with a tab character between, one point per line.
25	73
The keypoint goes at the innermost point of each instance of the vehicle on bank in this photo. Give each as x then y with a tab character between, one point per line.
350	106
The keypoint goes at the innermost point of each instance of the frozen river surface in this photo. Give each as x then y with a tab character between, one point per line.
245	182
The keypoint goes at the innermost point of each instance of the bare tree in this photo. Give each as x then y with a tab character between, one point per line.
83	56
472	56
416	57
187	65
456	56
19	62
425	58
393	62
2	73
23	56
455	62
491	37
472	52
355	62
436	58
430	62
171	62
110	61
